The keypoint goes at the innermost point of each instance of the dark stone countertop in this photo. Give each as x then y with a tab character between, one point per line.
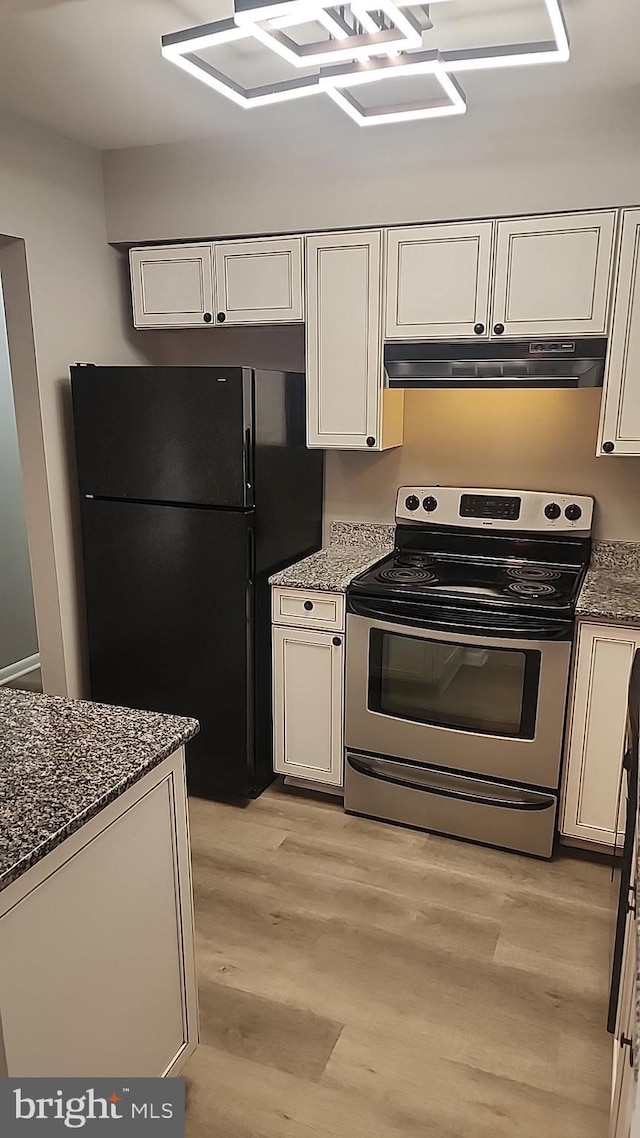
62	761
354	547
611	589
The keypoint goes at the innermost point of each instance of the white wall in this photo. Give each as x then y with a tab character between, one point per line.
51	195
527	440
542	155
521	440
18	638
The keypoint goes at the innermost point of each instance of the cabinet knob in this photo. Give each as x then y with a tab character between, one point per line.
498	329
336	642
207	317
221	317
478	329
308	605
371	442
607	447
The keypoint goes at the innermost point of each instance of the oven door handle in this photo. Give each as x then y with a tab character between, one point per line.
462	787
550	631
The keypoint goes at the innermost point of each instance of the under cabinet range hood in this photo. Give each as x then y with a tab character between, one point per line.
517	363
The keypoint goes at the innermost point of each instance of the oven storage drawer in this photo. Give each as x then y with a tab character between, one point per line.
307	608
428	798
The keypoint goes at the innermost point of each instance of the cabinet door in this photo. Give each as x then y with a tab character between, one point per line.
438	279
343	336
172	286
620	426
97	985
259	282
308	706
597	733
553	274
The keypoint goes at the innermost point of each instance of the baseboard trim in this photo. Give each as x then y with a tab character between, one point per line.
20	668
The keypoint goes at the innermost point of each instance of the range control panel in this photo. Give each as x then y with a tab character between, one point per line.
530	511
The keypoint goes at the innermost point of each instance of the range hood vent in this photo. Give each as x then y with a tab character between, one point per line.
523	363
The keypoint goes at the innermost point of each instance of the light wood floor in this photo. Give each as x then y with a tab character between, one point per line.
358	980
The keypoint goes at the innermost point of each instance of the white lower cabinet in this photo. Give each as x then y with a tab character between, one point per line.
308	704
97	966
596	736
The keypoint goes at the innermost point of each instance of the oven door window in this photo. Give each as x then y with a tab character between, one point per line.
486	690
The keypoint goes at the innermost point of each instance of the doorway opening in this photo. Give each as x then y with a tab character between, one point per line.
19	654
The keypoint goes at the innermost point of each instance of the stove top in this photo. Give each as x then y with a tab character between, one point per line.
476	555
441	578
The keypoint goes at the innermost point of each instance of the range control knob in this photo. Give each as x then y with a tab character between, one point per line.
552	511
412	502
430	504
573	512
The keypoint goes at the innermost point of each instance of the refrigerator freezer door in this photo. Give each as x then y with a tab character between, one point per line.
164	434
170	619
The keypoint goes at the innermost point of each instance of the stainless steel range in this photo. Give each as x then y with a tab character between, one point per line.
458	652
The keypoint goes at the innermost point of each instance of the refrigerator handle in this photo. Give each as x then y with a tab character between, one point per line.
248	461
250	556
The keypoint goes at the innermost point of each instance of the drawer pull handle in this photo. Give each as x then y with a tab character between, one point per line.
308	605
336	642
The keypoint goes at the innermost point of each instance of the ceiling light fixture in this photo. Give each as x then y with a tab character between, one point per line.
338	80
365	41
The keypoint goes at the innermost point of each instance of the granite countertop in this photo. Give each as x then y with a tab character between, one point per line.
62	761
611	589
354	547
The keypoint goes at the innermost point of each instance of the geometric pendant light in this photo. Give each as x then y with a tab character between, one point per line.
356	44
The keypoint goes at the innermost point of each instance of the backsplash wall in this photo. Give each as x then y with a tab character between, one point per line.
527	440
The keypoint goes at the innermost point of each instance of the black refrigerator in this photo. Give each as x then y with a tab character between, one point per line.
195	485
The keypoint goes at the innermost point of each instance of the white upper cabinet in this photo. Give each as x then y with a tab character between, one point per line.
438	281
347	405
172	286
553	274
259	282
596	733
620	424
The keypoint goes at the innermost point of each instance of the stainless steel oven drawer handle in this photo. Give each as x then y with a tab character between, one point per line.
450	785
461	628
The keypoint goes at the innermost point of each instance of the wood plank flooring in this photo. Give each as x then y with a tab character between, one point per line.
359	980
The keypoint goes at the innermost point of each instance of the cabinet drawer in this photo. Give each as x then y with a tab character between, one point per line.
308	609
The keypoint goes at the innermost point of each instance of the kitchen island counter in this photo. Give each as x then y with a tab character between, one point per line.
62	761
97	969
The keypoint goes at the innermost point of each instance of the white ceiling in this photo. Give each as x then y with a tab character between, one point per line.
92	69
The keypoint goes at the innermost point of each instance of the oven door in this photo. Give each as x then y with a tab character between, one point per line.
463	694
